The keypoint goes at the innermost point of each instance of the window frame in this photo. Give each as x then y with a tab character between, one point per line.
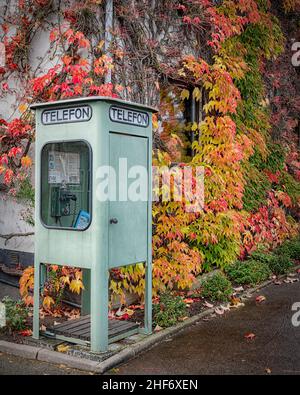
90	183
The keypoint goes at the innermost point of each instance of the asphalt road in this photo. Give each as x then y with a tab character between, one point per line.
217	346
11	365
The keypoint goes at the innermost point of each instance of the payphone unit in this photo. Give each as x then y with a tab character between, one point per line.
90	155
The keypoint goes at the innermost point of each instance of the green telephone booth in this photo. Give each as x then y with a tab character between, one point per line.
93	206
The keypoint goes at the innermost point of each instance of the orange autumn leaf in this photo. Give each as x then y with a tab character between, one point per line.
28	300
67	60
26	161
23	107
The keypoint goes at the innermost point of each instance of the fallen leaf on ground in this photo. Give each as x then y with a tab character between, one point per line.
250	336
197	300
124	317
136	307
290	280
235	301
188	301
225	308
129	312
183	318
25	333
158	328
120	312
73	314
219	311
209	305
114	370
63	348
260	299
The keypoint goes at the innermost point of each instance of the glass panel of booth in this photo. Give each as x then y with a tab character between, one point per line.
66	185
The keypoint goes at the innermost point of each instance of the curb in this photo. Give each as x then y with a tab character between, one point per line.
68	360
44	355
20	350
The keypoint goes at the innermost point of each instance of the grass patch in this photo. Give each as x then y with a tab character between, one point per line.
290	248
281	264
250	272
217	288
16	314
169	310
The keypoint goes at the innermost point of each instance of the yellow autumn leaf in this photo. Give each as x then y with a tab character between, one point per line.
65	280
76	286
194	127
197	94
100	45
185	94
154	121
47	302
63	348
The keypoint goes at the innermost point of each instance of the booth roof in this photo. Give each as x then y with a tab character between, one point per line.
92	98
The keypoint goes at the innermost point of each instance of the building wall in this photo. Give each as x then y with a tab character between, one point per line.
11	222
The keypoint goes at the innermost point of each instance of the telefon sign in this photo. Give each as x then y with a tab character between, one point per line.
66	115
130	117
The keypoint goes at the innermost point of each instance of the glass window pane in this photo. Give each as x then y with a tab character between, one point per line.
66	185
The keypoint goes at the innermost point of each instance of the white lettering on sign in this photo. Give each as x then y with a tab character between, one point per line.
128	116
66	115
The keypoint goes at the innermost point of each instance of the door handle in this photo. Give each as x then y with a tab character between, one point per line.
113	221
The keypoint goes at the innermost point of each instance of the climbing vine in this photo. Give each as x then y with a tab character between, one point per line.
231	57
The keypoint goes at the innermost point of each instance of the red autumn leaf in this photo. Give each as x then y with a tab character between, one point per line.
260	299
124	317
25	333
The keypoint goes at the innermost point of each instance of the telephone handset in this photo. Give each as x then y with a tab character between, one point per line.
61	199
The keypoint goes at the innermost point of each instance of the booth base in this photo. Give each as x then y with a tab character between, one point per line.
79	330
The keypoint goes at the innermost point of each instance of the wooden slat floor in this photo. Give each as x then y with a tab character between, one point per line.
81	328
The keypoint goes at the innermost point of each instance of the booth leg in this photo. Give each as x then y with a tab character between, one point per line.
148	298
86	293
99	311
36	300
40	274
